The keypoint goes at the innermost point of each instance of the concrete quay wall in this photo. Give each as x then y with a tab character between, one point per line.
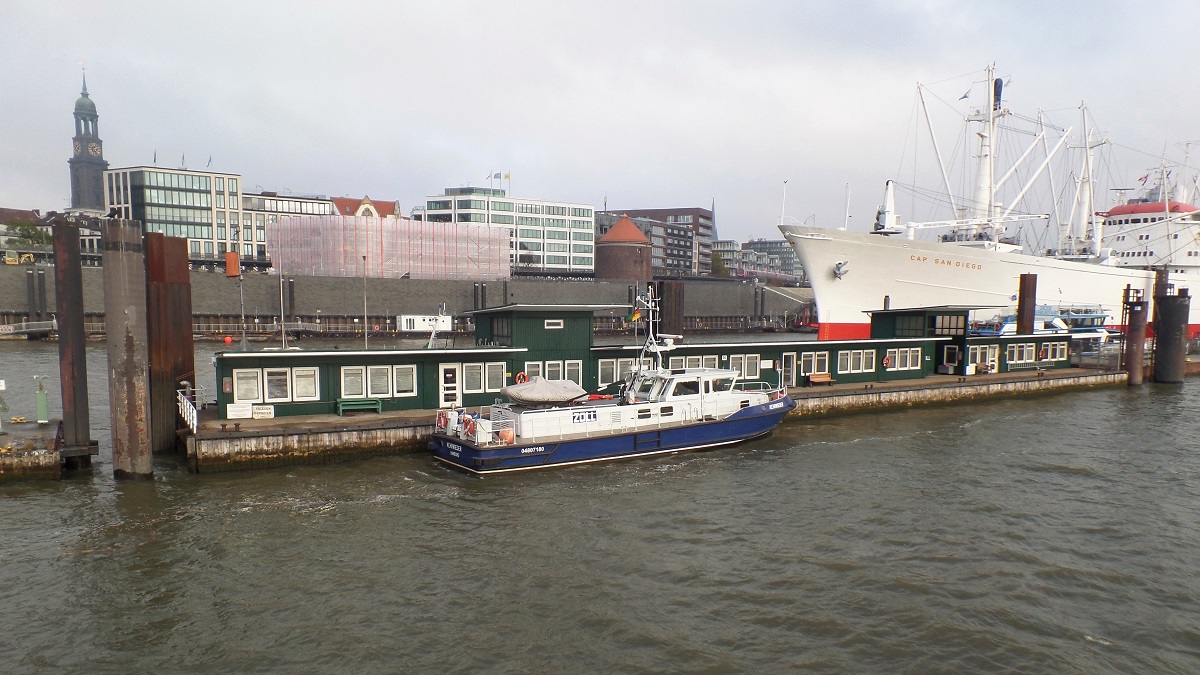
215	295
928	393
28	459
245	450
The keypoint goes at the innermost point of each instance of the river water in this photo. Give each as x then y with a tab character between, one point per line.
1045	534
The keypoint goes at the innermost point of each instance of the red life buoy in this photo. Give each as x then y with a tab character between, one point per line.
1042	354
887	363
469	426
442	419
521	378
376	327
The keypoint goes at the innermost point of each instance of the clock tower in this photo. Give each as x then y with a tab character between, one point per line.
87	158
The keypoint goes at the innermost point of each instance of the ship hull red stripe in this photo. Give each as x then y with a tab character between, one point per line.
827	330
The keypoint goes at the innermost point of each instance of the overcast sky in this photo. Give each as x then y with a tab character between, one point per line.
648	104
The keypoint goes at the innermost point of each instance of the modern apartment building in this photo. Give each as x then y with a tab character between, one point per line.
672	245
779	248
548	238
699	220
741	260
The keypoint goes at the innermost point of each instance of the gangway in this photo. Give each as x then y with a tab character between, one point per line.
26	327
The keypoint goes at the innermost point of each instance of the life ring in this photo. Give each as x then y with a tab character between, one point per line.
1042	354
442	419
469	426
376	327
521	378
887	362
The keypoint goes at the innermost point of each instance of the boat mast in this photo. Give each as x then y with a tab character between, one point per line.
981	208
1095	237
937	153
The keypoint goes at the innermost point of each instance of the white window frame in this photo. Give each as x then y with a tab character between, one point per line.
905	358
710	361
554	370
606	372
469	371
387	388
1057	351
412	371
305	372
675	362
553	324
856	361
258	385
533	369
693	361
1020	353
753	369
287	382
494	375
577	367
812	363
362	378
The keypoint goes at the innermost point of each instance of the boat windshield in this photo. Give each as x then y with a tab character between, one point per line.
644	386
656	391
722	384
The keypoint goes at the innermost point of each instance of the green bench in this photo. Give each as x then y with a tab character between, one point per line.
344	404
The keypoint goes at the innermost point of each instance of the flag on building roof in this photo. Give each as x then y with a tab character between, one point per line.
637	314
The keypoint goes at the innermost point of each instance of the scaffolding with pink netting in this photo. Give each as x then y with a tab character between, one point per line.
391	248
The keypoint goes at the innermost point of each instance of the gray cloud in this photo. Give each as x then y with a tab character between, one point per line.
648	103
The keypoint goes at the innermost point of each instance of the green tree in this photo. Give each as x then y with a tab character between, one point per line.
718	266
24	233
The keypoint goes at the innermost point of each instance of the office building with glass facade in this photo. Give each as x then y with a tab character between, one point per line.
551	238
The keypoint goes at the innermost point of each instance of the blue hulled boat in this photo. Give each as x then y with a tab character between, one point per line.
657	411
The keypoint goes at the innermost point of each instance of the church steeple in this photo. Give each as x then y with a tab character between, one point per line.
87	160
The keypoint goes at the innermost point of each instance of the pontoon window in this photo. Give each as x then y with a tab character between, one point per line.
304	384
352	382
278	385
379	381
247	386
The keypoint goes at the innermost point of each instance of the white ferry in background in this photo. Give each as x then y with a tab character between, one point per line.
1094	258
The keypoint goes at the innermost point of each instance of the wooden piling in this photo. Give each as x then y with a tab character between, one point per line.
1027	304
125	312
1170	341
168	334
1135	340
77	446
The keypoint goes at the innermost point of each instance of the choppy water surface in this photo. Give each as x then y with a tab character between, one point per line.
1049	534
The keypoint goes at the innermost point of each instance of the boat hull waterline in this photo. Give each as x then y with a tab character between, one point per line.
746	424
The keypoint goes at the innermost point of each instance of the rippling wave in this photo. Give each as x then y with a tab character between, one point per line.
1042	534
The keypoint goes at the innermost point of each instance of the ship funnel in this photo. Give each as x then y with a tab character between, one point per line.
998	88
